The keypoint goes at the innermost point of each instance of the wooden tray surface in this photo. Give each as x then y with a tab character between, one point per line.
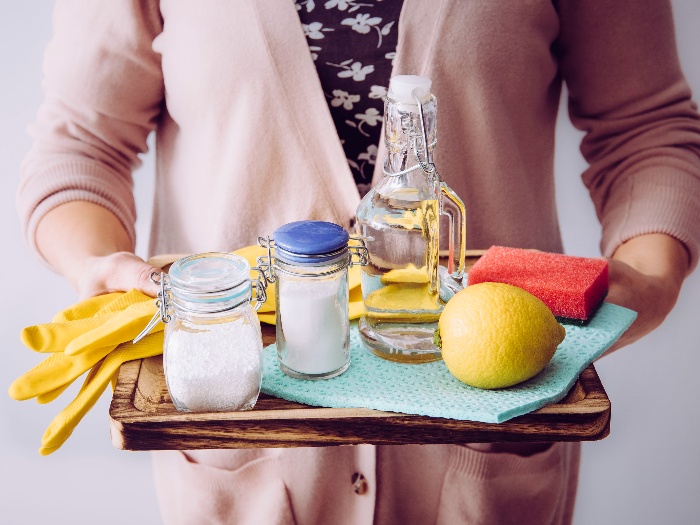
143	417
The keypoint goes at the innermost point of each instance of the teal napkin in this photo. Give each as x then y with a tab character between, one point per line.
430	390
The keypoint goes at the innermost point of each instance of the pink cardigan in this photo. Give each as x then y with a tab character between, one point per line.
245	143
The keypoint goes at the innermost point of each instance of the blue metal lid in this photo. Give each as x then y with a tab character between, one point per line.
309	241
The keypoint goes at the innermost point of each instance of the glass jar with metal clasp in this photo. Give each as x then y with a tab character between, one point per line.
212	353
310	268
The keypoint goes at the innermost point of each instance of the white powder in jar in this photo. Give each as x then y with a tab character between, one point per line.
315	326
218	368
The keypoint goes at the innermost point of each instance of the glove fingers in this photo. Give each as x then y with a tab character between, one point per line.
125	300
56	370
65	422
123	326
51	395
95	384
354	277
86	308
356	307
55	337
46	451
267	318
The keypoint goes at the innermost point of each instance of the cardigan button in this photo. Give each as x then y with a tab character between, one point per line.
359	484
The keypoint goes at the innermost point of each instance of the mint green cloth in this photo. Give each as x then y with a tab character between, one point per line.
430	390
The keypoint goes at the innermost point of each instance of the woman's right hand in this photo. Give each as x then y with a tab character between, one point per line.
116	272
89	246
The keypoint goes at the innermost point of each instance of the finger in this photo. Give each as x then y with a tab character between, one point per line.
121	271
130	271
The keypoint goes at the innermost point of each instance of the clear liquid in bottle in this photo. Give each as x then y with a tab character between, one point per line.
399	222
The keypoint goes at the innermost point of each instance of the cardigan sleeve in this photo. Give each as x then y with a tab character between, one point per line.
642	130
103	92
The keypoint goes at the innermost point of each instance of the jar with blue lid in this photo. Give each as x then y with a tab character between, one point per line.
212	353
308	261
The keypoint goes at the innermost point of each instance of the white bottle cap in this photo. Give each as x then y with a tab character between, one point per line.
401	88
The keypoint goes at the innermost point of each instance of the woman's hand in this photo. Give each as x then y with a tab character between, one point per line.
116	272
646	274
88	245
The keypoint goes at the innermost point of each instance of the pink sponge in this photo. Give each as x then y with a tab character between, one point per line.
572	287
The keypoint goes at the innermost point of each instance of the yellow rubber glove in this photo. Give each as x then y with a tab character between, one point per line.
87	308
116	321
56	371
95	384
266	313
51	377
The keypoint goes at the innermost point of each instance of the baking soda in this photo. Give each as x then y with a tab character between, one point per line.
315	326
218	369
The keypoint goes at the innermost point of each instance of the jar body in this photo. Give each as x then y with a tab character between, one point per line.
312	323
399	220
213	361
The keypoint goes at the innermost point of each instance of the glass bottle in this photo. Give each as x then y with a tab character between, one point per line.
399	220
310	272
212	351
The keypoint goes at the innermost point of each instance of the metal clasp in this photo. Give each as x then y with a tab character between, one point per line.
265	262
260	287
361	252
427	164
163	303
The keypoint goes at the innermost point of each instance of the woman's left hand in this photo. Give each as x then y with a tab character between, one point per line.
646	274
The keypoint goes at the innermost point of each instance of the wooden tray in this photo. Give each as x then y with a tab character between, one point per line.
143	417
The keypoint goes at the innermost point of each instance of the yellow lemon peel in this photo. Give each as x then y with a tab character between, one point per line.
495	335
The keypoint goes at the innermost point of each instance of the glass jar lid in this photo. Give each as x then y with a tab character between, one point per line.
208	278
310	242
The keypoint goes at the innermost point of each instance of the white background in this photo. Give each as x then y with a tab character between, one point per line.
646	472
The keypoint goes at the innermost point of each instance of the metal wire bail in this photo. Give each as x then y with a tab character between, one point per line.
265	261
260	287
361	252
427	165
163	303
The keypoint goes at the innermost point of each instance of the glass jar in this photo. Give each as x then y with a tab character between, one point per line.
212	354
310	269
399	219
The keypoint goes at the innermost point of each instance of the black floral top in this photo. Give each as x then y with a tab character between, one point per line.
353	45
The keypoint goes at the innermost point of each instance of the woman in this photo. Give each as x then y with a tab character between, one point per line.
246	142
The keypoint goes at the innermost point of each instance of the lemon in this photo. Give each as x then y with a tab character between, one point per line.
495	335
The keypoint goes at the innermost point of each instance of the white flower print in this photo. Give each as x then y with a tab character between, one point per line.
370	156
314	50
343	5
391	56
371	117
310	4
343	98
361	23
357	71
314	30
377	92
